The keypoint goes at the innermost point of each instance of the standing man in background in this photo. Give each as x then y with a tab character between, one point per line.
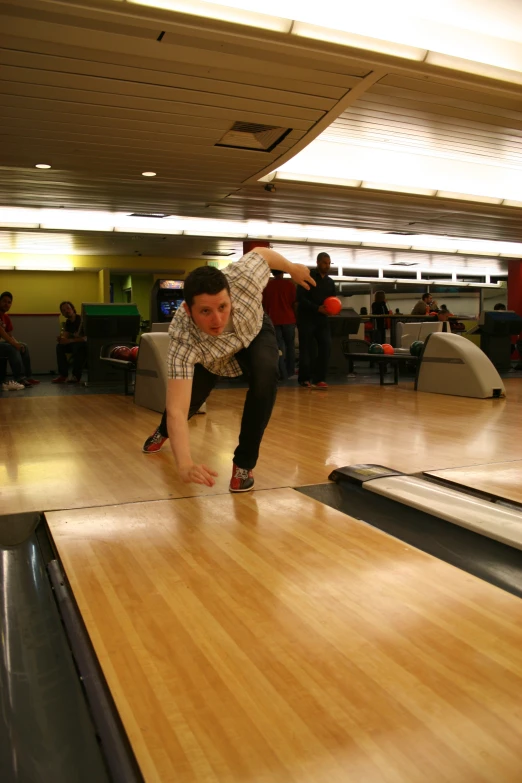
279	299
313	326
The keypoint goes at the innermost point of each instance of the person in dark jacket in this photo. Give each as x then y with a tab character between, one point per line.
380	307
313	326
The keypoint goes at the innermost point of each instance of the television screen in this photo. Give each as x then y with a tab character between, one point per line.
169	306
171	284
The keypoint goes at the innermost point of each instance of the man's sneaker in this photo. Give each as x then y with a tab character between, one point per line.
12	386
305	384
74	379
60	379
31	382
242	480
154	443
320	385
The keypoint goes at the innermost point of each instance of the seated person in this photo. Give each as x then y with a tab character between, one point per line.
424	306
444	313
16	353
6	385
499	306
71	341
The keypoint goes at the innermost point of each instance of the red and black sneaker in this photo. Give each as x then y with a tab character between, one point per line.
60	379
305	384
242	480
154	443
319	385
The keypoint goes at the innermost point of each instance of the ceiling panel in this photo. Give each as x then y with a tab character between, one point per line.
95	94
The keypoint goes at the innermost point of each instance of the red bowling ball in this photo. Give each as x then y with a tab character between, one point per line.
332	305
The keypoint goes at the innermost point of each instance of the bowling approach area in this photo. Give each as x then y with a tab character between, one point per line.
311	631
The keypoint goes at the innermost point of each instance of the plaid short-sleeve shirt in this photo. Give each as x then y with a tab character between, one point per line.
189	345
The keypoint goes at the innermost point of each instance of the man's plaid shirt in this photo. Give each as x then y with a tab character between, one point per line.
189	345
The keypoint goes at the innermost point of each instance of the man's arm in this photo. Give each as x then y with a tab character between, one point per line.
179	392
11	340
299	273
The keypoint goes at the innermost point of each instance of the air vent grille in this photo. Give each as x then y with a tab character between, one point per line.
253	136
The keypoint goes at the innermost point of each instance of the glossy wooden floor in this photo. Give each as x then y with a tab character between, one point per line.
267	638
503	479
82	451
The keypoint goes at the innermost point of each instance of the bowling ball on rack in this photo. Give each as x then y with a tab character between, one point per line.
416	347
375	348
387	348
134	353
121	352
332	305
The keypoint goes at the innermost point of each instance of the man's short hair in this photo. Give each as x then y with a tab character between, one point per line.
204	280
499	306
70	304
322	255
7	293
425	296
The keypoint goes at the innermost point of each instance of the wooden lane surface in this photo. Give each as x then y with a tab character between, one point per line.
503	479
268	638
80	451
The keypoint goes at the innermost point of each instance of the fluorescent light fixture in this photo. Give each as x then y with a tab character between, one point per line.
18	225
385	246
148	173
42	166
215	233
46	266
224	13
291	176
468	197
479	37
6	267
81	220
399	188
162	230
472	66
356	41
143	225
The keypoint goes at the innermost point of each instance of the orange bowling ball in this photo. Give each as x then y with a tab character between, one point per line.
332	305
387	348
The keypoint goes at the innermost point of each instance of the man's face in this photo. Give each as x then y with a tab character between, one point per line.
428	299
5	304
323	265
67	311
210	312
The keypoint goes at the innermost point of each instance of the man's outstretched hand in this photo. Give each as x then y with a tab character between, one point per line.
198	474
300	274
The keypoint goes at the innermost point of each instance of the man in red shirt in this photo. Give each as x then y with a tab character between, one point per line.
17	354
279	304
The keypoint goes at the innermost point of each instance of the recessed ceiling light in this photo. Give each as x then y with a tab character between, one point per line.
148	173
42	166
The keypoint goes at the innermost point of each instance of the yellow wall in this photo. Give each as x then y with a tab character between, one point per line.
42	292
141	286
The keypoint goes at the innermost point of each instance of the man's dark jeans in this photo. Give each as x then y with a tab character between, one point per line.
79	357
314	329
20	361
259	363
285	334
